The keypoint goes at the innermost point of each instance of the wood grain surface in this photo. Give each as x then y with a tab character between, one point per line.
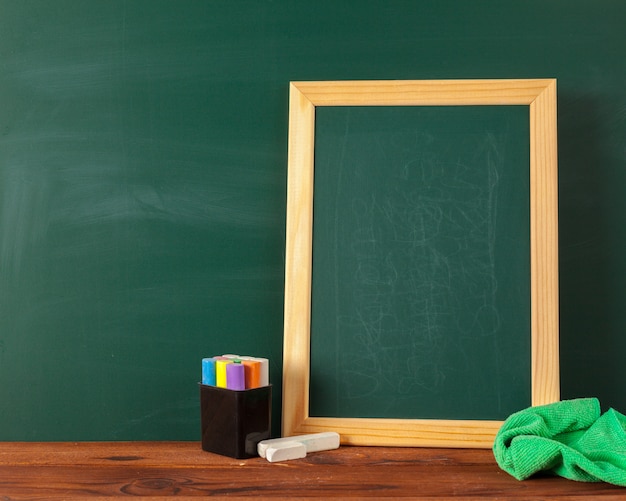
105	470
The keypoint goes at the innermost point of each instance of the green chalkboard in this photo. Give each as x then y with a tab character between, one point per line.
143	166
421	270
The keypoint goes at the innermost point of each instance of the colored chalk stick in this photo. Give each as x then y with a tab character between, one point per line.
220	372
265	369
235	376
208	371
252	370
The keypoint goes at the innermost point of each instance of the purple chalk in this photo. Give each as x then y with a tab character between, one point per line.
235	377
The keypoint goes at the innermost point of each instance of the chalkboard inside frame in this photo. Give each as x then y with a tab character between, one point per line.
301	379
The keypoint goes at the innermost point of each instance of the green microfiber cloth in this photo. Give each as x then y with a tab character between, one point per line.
569	438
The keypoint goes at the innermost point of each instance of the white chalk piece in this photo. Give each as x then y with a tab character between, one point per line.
313	442
230	356
285	451
265	370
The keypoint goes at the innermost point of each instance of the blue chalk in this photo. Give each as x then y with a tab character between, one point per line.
208	371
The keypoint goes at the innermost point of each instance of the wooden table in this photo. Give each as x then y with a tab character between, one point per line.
105	470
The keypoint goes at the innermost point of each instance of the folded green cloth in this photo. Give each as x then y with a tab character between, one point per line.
569	438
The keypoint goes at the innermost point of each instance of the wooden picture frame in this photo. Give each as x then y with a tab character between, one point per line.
540	96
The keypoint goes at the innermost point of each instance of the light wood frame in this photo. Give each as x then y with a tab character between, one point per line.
540	96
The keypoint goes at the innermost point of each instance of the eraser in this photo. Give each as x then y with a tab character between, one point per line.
313	442
284	451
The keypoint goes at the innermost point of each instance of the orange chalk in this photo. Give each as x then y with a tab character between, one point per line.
252	373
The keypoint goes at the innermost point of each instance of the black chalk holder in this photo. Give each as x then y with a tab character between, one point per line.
235	421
